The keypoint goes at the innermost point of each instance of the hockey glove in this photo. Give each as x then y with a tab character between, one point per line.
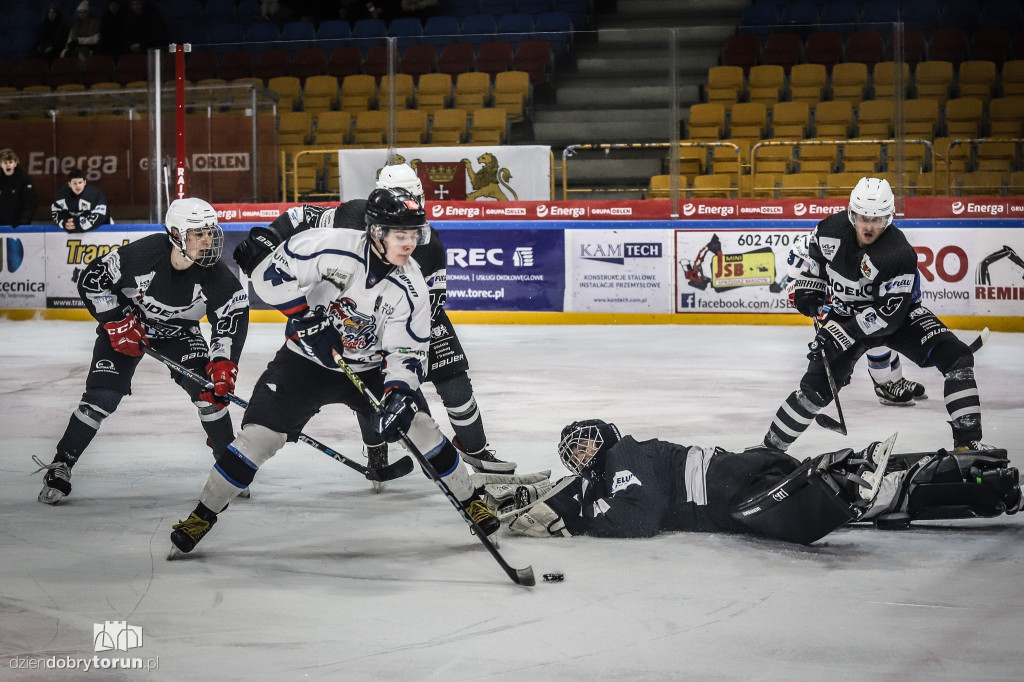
833	338
126	335
222	374
316	336
255	248
558	515
808	295
398	408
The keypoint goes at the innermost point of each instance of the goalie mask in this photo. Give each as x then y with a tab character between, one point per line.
584	444
872	197
193	230
401	176
395	209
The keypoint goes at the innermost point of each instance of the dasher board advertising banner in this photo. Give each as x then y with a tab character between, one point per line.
68	254
512	173
979	271
22	268
733	271
619	271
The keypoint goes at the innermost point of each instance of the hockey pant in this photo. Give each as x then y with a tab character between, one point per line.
110	380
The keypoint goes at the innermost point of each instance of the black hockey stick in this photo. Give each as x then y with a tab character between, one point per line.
392	471
823	420
976	345
520	576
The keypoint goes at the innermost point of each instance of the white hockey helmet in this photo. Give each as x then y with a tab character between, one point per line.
401	176
872	197
193	219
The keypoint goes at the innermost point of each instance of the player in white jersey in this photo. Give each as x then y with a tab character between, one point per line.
360	295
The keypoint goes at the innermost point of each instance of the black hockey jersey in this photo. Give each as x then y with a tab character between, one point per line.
89	209
169	303
875	284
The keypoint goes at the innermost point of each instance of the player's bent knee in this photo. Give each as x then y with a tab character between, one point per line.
97	404
256	444
425	435
952	356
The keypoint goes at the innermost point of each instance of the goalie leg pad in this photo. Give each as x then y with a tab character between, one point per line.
805	506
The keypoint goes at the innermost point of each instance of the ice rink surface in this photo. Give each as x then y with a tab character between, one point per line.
316	577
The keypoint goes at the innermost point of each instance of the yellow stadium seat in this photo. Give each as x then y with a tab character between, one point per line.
706	122
713	186
333	128
370	128
765	185
841	184
833	120
660	187
288	90
411	127
358	92
488	127
765	84
875	119
294	128
790	120
849	81
884	79
818	158
320	94
996	156
448	127
963	117
984	183
862	158
772	159
921	118
807	83
1015	186
1013	78
403	90
512	92
933	80
472	90
1006	116
724	85
434	91
977	78
748	120
800	185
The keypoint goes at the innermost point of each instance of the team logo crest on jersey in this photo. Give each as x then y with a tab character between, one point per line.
891	306
358	330
623	479
867	268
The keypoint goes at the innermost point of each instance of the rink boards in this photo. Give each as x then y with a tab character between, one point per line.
582	270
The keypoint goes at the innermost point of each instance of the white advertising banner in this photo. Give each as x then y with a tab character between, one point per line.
503	173
22	270
618	271
68	254
733	271
978	271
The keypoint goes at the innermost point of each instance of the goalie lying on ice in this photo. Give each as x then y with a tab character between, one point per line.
627	488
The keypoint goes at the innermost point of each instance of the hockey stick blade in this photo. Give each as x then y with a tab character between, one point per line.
976	345
827	422
880	465
520	576
398	469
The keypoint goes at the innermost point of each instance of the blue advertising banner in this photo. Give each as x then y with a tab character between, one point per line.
515	268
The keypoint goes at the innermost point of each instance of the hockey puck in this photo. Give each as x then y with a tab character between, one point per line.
554	577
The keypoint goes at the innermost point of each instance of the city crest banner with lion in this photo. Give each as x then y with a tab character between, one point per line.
518	173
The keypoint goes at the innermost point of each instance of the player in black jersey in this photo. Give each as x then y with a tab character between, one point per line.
864	290
447	367
148	292
622	487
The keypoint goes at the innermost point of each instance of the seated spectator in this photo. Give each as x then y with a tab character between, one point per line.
84	35
79	206
17	194
52	34
110	30
143	27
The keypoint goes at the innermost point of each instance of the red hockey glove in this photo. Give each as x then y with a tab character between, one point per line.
126	335
222	373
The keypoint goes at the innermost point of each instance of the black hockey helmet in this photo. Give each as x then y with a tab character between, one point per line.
395	209
583	445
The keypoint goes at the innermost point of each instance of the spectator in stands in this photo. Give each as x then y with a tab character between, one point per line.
143	27
111	30
79	206
17	194
354	10
52	34
84	35
420	9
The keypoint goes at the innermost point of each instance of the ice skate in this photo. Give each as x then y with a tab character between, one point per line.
483	514
896	393
377	458
916	389
185	535
56	481
967	445
484	461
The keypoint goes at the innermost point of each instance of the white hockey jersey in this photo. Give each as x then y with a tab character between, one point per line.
382	321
